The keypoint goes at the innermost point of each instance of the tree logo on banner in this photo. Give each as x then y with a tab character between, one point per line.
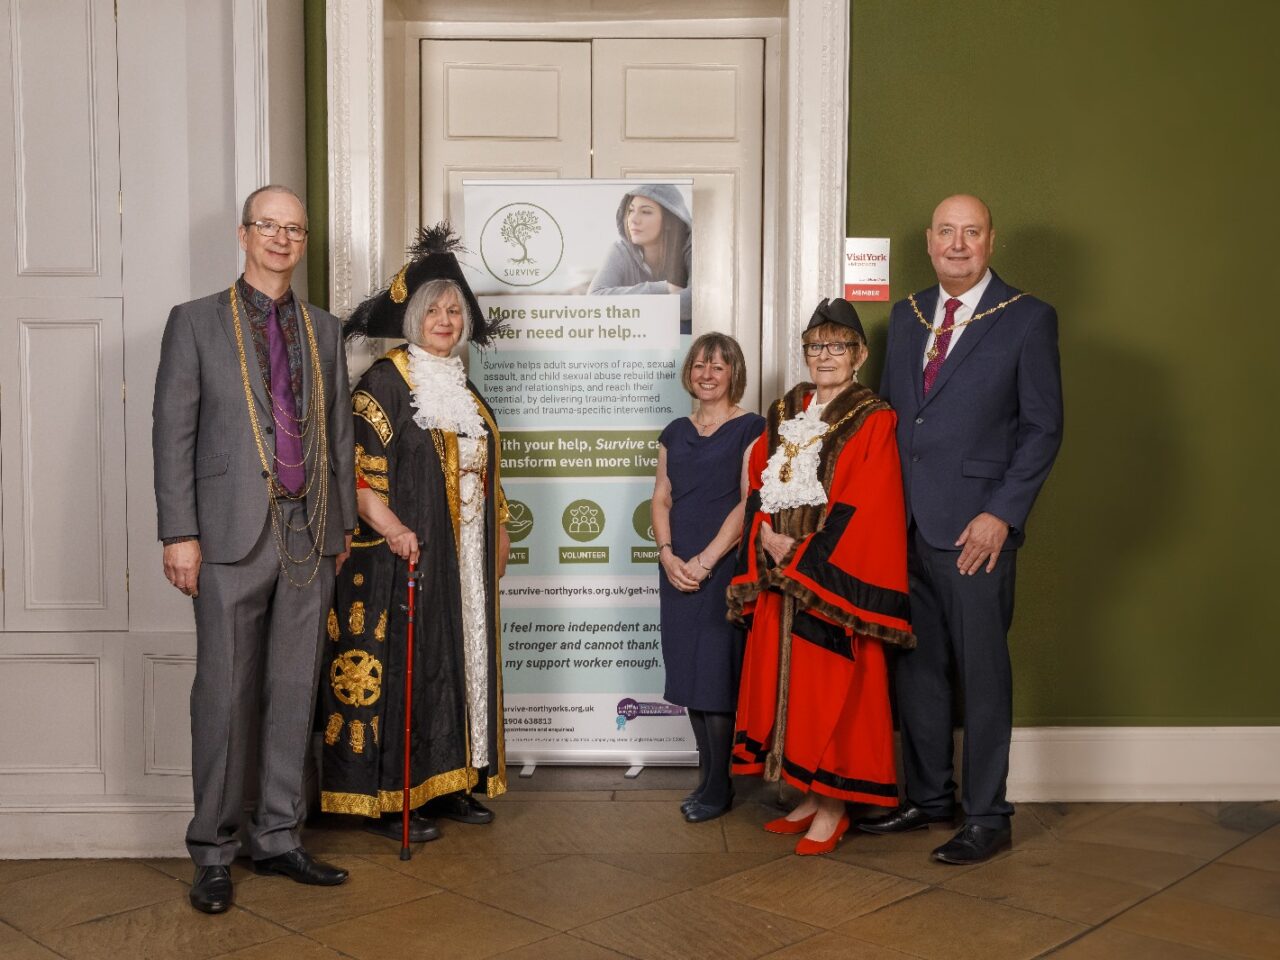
521	244
583	520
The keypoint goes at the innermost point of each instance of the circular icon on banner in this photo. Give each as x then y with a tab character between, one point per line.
583	520
519	520
521	244
642	520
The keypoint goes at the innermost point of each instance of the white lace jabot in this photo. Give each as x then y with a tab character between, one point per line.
802	487
441	400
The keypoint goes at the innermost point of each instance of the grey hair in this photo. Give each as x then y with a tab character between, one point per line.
246	213
424	297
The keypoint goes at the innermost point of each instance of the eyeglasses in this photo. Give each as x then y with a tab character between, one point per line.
836	348
269	228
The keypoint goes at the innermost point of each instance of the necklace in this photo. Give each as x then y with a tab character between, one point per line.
714	423
792	450
932	353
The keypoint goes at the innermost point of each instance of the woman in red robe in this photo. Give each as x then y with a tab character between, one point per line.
822	585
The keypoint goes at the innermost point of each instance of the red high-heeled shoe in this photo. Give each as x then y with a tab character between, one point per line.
810	848
784	826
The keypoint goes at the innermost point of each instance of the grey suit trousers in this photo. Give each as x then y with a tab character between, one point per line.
257	659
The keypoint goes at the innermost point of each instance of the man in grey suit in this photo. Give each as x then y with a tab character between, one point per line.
255	490
972	370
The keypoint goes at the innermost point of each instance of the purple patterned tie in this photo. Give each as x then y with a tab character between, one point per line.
940	344
289	469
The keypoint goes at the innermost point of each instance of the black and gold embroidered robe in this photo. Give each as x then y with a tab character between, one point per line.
362	684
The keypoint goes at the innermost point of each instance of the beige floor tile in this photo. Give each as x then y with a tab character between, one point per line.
27	949
1173	827
301	907
1022	881
904	855
1240	888
346	835
456	924
695	924
180	868
1248	817
1204	925
163	931
941	925
550	796
1108	943
296	947
561	947
91	889
830	945
1261	853
443	868
814	890
651	796
556	827
11	870
686	870
568	892
1148	868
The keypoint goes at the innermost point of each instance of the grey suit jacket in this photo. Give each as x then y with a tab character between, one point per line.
209	478
986	436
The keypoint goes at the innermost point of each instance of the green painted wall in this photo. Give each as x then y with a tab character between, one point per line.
1128	151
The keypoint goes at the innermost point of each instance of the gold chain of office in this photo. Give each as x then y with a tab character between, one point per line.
317	453
792	450
936	330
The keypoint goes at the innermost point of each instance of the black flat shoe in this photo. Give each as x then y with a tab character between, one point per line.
700	812
390	825
690	800
906	817
211	890
973	844
300	866
463	807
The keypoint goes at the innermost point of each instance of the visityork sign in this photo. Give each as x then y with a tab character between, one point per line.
866	268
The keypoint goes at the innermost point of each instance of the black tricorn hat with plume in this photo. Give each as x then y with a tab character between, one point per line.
433	256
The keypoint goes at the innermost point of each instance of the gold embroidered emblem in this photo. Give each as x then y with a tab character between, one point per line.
334	632
369	410
356	678
355	620
357	736
400	289
358	579
380	631
333	730
373	728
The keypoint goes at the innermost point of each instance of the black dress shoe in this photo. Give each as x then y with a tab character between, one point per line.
907	816
699	812
391	826
463	807
973	844
211	890
690	800
299	865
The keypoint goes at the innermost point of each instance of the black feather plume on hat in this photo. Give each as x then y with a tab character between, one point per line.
432	256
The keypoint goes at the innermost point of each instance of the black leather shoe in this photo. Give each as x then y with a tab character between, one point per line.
390	825
463	807
973	844
299	865
907	816
699	812
690	800
211	890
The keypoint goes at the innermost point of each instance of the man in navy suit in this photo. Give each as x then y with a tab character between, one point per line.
972	371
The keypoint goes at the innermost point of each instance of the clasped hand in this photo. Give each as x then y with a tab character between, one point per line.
776	545
685	575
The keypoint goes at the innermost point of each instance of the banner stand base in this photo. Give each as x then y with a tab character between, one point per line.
634	771
527	770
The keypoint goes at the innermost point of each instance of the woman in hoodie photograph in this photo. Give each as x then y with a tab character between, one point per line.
654	251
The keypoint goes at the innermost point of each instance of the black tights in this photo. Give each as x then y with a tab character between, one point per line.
713	732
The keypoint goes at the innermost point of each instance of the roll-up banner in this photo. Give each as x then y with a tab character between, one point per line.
587	277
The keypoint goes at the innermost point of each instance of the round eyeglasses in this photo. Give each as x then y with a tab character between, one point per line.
269	228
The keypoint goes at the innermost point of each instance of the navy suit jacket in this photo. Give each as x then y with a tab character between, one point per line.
985	438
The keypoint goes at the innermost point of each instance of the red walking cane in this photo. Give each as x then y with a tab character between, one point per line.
405	854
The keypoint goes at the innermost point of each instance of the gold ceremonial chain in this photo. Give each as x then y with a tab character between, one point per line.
932	353
317	452
792	450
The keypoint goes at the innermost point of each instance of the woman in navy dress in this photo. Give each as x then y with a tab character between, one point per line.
697	520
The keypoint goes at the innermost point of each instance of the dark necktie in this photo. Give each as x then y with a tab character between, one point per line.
940	344
289	470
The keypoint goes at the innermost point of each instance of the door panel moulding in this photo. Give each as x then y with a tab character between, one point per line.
806	146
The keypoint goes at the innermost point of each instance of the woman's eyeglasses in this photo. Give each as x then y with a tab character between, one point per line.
836	348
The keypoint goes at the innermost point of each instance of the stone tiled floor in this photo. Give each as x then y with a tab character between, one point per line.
584	865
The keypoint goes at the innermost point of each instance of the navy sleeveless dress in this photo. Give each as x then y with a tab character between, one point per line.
703	650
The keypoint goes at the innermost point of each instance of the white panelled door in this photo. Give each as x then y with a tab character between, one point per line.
614	109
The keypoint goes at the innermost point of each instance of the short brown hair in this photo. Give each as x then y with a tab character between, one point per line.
832	331
246	212
724	346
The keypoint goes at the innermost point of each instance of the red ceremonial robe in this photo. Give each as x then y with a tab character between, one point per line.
825	684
